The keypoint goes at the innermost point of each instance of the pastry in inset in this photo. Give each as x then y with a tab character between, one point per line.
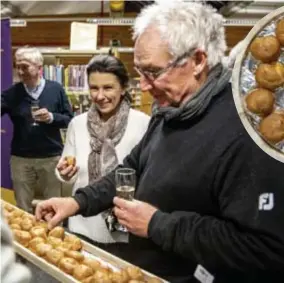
82	271
57	232
67	264
280	31
270	76
266	49
54	256
260	101
272	127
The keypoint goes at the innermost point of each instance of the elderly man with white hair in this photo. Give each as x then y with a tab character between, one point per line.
208	202
37	144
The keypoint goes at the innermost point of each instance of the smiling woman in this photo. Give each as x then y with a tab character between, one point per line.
100	139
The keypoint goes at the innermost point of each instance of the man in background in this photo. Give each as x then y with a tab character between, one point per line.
38	109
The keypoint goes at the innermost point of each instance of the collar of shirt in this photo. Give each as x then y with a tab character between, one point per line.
36	92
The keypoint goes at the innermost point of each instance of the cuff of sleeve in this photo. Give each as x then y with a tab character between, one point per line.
155	231
51	119
82	200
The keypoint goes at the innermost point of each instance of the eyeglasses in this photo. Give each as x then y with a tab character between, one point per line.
153	75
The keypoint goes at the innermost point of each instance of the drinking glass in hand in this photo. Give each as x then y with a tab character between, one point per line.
34	107
125	179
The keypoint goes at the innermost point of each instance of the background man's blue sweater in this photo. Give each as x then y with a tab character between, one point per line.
36	141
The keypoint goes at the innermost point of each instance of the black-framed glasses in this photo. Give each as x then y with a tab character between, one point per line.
153	75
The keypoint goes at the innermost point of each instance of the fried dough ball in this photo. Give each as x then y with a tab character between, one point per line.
154	280
26	224
8	207
272	127
15	226
260	101
75	242
71	160
135	273
135	281
270	76
82	271
16	213
30	217
54	256
34	242
61	248
280	31
67	264
94	264
57	232
102	277
120	277
55	242
88	280
7	216
75	254
17	220
42	248
41	224
266	49
23	237
38	232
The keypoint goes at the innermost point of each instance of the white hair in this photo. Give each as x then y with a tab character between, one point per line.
30	54
184	27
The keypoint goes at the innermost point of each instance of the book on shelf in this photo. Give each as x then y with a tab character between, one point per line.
73	77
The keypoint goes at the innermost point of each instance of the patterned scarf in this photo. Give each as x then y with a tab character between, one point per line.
104	137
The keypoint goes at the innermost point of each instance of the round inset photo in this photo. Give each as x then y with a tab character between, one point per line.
258	84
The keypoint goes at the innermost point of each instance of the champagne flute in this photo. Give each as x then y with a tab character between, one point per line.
125	179
34	107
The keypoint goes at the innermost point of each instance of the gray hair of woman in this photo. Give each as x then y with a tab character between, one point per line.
112	65
185	27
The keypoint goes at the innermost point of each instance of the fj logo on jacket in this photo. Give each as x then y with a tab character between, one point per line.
266	201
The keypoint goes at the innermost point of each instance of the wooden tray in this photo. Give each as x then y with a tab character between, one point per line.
106	258
236	80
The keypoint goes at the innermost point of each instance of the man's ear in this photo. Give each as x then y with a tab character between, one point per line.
200	62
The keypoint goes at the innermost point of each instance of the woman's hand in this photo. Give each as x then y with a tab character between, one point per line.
66	171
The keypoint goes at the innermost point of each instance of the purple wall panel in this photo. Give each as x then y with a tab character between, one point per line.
6	82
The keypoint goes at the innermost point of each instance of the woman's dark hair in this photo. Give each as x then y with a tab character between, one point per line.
109	64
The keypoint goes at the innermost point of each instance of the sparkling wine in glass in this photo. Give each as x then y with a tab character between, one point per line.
34	107
125	179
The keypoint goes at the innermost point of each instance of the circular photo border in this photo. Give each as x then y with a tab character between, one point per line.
236	79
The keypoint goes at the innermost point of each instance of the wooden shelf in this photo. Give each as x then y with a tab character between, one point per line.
56	52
